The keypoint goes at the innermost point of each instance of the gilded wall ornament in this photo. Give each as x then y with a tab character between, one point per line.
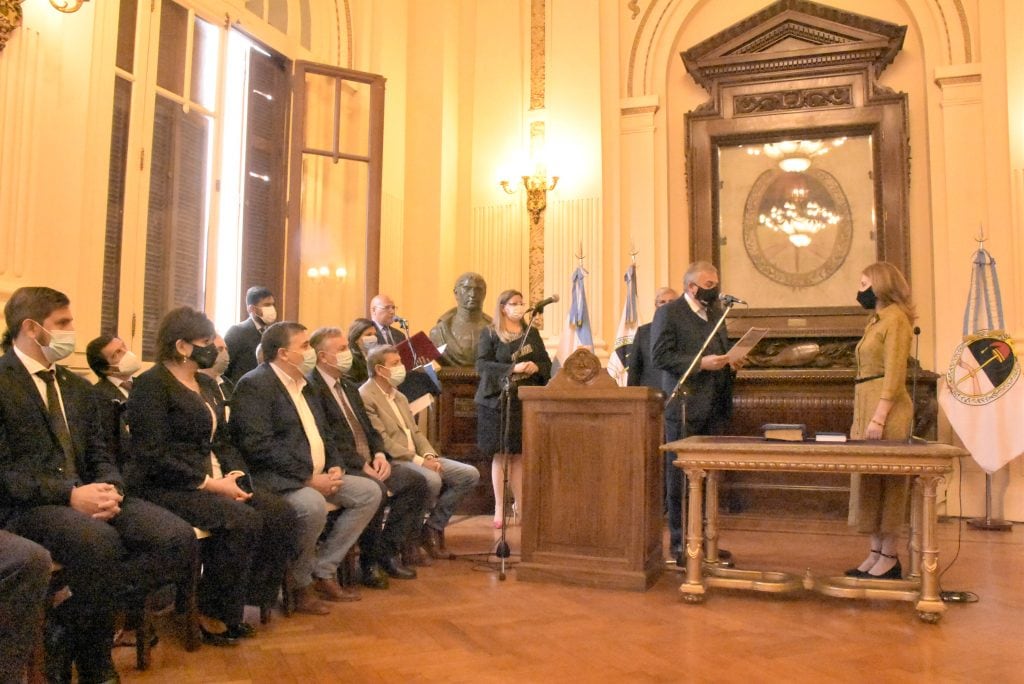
10	19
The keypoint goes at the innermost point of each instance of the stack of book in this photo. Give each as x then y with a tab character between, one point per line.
785	432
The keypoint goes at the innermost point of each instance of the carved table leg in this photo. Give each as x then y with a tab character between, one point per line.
916	524
929	606
711	526
693	588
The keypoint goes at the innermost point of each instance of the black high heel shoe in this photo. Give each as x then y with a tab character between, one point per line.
893	573
225	638
857	572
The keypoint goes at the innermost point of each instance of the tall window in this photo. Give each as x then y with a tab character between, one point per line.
208	109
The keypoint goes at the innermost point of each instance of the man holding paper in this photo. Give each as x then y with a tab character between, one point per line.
678	331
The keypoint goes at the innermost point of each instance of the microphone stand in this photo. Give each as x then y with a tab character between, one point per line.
913	385
508	386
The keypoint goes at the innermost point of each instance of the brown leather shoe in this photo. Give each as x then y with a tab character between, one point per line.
306	601
329	589
434	544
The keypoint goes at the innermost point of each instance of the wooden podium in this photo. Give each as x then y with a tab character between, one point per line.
592	479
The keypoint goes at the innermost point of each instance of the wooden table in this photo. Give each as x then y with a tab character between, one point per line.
705	457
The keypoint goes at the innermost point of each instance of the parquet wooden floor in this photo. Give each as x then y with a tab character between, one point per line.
458	623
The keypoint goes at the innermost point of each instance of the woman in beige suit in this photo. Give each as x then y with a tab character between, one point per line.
882	410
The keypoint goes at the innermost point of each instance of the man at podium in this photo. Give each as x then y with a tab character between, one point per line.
678	331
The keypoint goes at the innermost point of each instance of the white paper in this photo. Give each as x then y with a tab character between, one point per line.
746	343
423	402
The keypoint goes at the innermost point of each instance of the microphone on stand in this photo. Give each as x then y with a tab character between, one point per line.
729	299
402	322
539	306
913	391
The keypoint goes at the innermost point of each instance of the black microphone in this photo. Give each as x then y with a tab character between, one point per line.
729	299
913	391
539	306
401	321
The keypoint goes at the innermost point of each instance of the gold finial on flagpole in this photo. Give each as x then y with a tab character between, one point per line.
579	254
632	252
981	236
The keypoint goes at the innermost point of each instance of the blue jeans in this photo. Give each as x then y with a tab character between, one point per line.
358	498
447	489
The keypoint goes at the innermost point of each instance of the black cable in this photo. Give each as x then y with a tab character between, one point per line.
957	596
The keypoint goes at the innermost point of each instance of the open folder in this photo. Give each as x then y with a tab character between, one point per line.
746	343
417	351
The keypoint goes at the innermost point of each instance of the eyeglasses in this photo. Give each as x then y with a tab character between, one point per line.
390	307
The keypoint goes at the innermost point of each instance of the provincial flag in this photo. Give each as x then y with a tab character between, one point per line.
981	393
618	364
576	333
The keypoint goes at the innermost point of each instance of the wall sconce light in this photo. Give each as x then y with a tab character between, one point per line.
67	6
537	188
322	273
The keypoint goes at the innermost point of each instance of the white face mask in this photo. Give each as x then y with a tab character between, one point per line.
343	362
129	364
61	346
397	376
308	360
268	314
221	364
516	311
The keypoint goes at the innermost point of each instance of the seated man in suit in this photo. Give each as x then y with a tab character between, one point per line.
285	438
24	576
388	409
363	454
677	333
243	337
63	490
114	366
642	371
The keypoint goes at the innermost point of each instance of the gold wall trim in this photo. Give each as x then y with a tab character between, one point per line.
945	28
634	7
538	55
636	43
965	27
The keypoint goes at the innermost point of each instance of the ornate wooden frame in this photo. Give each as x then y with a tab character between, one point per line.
802	70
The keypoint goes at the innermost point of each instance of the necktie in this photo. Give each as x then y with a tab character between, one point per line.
362	446
387	336
59	423
127	385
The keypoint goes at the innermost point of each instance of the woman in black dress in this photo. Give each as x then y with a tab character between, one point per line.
503	356
183	460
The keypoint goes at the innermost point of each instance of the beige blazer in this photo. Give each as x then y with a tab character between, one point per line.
386	423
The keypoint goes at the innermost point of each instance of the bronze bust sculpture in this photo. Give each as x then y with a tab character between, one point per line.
459	328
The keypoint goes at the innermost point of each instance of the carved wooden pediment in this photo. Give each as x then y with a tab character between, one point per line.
793	35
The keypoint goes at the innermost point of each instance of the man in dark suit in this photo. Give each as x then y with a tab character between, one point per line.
363	454
678	331
63	490
114	365
243	337
642	371
24	576
282	431
382	313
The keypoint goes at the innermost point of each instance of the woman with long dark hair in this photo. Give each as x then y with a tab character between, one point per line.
504	357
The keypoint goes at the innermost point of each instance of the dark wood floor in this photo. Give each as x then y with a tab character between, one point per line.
459	623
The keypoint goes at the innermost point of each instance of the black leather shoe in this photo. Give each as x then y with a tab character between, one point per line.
373	577
224	638
395	569
241	630
893	573
433	542
855	572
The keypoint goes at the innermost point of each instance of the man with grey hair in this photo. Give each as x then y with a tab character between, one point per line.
642	371
449	480
678	331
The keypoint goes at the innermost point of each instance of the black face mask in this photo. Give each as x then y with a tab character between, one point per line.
708	296
867	298
204	357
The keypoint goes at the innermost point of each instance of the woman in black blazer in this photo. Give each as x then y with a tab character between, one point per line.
502	354
183	460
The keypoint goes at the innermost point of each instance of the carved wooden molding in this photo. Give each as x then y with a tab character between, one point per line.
780	100
10	19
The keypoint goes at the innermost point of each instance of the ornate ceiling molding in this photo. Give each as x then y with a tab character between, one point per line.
10	19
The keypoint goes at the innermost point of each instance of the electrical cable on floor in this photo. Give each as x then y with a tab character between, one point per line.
957	596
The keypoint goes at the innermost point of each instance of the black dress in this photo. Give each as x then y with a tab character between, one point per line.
494	360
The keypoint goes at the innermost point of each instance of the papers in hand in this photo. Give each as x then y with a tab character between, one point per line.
745	344
417	351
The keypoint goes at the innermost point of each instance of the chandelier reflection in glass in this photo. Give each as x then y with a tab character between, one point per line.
798	218
794	156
